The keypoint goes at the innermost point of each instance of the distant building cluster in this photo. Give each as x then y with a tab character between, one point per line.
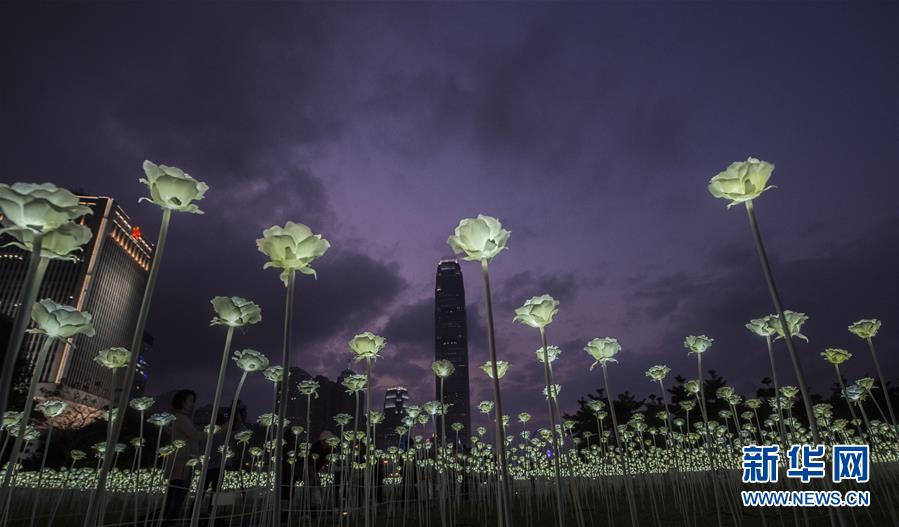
394	412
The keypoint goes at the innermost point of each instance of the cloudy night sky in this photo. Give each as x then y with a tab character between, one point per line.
589	130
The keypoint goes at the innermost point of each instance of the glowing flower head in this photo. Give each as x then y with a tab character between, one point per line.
524	417
355	382
267	419
113	358
343	419
501	368
551	352
480	239
789	391
537	312
761	326
836	356
60	321
39	208
865	328
693	386
166	450
658	372
795	321
161	419
742	181
250	360
442	368
113	412
58	244
698	344
274	373
243	436
553	392
365	346
52	408
432	407
77	455
11	418
142	404
291	248
308	387
485	407
173	189
595	405
603	350
234	311
854	393
866	382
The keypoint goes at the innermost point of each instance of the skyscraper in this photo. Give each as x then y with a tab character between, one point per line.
142	374
107	280
394	412
451	343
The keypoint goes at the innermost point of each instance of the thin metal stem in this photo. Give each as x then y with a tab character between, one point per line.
775	298
503	494
97	494
550	396
26	416
216	402
282	408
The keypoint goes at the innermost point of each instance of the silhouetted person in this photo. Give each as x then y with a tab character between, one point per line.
183	428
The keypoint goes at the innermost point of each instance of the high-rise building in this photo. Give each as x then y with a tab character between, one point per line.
394	412
107	280
451	343
142	369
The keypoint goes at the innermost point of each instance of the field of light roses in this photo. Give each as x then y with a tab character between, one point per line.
679	465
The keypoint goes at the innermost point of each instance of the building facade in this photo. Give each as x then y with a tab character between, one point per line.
107	280
451	343
394	411
142	368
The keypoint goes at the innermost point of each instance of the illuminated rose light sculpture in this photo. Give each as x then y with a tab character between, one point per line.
57	323
743	182
292	248
481	239
172	190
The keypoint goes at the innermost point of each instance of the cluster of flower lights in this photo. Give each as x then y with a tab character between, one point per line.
677	438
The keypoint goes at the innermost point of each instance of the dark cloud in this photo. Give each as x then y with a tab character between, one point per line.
381	125
412	324
839	284
523	285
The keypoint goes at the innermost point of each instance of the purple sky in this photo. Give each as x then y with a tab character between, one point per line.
589	130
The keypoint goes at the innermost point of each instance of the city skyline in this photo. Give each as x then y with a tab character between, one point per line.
592	143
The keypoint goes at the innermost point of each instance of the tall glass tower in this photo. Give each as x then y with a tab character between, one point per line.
451	343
